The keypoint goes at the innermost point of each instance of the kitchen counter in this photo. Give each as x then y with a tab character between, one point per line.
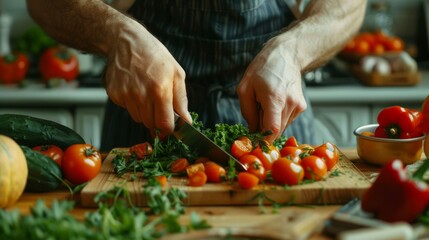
348	92
224	216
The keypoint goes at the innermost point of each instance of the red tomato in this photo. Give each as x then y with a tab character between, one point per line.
329	153
291	141
361	46
52	151
249	159
284	171
141	150
267	158
13	68
394	44
247	180
314	167
197	179
58	62
81	163
241	146
292	153
179	165
215	173
256	168
378	48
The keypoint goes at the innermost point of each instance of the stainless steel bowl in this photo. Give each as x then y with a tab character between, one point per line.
381	150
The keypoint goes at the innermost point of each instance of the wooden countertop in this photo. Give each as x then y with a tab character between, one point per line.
223	216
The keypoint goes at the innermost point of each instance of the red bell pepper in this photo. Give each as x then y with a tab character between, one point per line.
398	122
13	68
394	196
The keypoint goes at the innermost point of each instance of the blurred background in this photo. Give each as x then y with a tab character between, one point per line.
345	93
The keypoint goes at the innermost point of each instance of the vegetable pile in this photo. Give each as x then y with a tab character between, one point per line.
285	162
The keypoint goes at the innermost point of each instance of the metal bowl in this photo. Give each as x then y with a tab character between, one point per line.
381	150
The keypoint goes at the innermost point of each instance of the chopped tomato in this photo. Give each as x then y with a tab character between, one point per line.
179	165
256	168
247	180
162	180
329	153
197	179
284	171
193	168
249	159
215	173
291	141
241	146
267	158
141	150
314	167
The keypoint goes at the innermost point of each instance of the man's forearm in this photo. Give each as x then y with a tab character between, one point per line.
323	29
88	25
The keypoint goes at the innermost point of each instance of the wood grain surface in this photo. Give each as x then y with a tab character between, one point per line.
349	182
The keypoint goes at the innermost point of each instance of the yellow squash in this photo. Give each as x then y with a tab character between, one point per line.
13	171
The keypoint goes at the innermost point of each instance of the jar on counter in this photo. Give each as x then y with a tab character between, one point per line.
379	18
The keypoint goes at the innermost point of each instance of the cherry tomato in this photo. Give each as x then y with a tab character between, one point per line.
141	150
291	141
306	148
241	146
394	44
215	173
292	153
256	168
52	151
284	171
197	179
314	167
249	159
81	163
267	158
361	46
162	180
247	180
179	165
329	153
58	62
378	48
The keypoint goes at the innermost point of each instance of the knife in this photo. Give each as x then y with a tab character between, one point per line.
204	146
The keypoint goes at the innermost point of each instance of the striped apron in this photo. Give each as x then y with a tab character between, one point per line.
214	41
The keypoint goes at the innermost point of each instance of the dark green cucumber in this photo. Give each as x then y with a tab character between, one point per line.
44	175
32	131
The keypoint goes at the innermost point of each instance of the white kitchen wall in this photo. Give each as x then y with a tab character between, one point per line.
21	20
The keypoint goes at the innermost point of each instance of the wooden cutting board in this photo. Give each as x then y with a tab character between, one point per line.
348	183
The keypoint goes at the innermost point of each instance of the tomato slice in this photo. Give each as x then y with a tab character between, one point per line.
141	150
179	165
241	147
267	158
197	179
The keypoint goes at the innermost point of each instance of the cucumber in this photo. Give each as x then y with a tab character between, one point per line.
44	175
31	131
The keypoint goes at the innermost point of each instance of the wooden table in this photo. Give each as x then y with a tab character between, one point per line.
221	216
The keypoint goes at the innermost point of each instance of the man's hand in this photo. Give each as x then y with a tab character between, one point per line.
143	77
270	92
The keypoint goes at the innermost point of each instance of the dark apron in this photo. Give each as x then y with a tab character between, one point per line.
214	41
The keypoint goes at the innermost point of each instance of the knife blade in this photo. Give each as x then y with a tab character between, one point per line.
203	145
